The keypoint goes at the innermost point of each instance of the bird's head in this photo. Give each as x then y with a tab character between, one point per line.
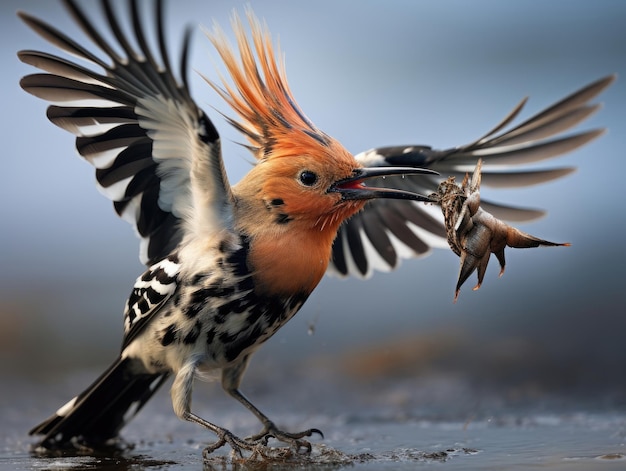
316	187
305	183
302	175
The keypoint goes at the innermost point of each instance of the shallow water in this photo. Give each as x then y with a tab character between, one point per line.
394	424
547	442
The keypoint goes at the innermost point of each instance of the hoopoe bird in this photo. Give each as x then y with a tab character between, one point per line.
227	266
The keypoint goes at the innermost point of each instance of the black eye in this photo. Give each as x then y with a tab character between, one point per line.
308	178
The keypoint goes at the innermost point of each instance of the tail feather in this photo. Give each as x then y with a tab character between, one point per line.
100	412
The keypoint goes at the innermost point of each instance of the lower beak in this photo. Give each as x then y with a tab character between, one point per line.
353	188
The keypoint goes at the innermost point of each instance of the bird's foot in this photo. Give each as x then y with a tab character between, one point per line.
293	439
238	445
257	445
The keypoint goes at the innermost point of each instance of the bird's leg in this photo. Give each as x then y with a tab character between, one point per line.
231	377
181	400
271	431
224	437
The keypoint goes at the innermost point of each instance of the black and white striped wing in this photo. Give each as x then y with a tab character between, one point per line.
135	122
150	293
389	230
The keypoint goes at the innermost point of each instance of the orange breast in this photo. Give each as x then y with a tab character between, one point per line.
293	263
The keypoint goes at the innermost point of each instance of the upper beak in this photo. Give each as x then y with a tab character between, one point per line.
353	188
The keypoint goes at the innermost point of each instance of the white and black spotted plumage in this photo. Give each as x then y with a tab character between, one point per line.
151	290
218	304
198	307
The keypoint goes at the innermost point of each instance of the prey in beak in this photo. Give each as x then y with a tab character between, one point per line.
354	188
473	233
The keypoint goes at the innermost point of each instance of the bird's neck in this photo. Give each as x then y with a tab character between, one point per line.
290	262
286	258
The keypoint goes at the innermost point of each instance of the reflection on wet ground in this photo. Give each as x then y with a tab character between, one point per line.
390	422
551	442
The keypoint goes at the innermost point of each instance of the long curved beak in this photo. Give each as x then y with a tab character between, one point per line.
353	188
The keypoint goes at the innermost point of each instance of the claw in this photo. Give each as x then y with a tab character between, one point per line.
236	444
315	430
473	233
257	445
294	439
211	448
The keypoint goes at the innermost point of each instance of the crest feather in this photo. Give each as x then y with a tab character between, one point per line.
269	116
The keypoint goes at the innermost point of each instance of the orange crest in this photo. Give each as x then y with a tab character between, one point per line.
269	116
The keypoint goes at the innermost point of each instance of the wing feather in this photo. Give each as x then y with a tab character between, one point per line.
538	138
154	150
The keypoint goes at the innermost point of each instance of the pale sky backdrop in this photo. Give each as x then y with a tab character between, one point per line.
370	74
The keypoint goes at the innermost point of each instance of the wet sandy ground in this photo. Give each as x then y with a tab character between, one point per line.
546	442
389	423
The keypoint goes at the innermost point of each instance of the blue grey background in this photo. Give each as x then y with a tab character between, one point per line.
370	74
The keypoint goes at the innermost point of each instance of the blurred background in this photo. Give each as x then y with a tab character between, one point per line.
370	74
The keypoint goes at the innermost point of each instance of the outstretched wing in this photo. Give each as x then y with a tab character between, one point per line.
156	153
388	230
